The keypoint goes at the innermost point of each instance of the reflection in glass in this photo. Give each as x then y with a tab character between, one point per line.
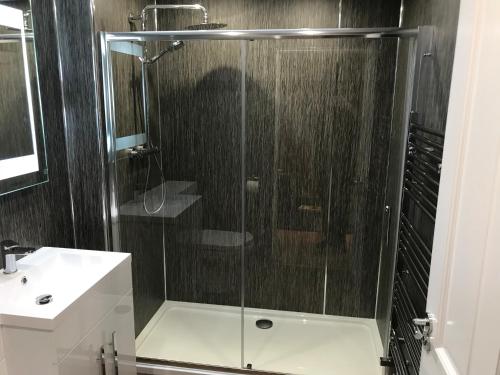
22	160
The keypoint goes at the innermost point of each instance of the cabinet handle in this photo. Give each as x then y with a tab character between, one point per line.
115	352
102	360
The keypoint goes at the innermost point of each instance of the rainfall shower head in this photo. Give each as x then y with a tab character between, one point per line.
207	26
174	46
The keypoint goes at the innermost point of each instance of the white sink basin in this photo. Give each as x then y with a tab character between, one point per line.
66	274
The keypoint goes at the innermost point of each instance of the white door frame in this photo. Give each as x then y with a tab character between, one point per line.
464	287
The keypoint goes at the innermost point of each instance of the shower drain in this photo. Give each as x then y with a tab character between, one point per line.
264	323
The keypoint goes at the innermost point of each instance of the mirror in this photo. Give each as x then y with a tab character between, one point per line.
22	146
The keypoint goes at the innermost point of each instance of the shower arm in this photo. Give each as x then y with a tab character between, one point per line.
143	14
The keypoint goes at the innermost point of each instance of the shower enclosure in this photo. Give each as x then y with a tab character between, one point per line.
248	173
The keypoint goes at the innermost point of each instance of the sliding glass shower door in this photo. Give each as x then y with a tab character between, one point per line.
318	126
248	180
176	182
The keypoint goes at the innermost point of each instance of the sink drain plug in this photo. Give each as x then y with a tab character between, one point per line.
264	323
44	299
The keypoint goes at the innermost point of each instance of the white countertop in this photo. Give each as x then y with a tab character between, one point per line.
66	274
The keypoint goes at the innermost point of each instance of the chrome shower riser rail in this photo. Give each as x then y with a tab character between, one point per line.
369	33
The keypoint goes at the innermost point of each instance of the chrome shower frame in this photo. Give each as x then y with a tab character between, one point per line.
259	34
244	36
143	15
132	37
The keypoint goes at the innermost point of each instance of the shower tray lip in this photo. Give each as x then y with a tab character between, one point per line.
317	321
266	313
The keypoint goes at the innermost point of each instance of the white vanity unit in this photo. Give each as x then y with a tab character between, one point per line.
87	326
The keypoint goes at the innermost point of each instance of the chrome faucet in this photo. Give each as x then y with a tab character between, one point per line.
11	251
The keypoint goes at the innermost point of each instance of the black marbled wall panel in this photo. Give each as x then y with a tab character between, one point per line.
84	137
142	237
77	25
354	255
289	130
358	189
443	16
41	215
201	141
206	145
360	152
285	268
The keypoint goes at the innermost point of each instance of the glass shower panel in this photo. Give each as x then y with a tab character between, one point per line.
200	106
318	122
136	231
179	194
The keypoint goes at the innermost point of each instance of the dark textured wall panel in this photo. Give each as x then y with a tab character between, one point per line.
84	138
41	215
360	154
142	237
443	16
300	83
77	26
201	105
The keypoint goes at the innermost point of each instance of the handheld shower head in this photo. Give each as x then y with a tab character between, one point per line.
174	46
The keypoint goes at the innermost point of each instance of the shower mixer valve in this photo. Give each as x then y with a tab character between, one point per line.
140	152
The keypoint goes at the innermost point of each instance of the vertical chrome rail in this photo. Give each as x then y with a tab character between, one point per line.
109	113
